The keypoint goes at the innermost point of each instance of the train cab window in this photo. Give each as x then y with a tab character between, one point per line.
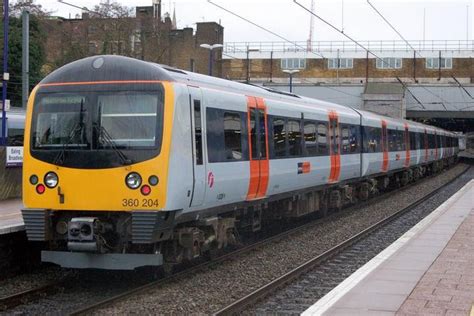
279	137
232	136
130	119
198	131
294	137
310	138
322	138
345	140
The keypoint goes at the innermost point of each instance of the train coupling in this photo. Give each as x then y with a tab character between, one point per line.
85	234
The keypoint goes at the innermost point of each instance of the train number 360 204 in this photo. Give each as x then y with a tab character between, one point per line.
136	203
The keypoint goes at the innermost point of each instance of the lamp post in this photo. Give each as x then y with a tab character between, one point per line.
211	47
291	72
247	79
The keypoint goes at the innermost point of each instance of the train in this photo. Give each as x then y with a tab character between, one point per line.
129	164
15	126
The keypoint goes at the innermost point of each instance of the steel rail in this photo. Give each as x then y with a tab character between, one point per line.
228	256
11	301
242	304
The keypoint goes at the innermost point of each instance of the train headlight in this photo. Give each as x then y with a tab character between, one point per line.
51	179
133	180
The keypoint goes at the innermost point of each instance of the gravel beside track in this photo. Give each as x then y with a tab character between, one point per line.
220	284
299	295
216	287
31	280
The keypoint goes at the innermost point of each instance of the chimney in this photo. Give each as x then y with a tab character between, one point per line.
157	9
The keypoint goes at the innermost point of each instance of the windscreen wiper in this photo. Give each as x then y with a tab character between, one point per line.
77	128
103	134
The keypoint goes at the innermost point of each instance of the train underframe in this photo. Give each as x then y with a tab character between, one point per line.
157	238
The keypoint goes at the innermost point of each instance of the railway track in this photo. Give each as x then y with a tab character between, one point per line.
318	262
32	294
257	295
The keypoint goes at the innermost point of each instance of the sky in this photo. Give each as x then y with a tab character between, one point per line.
444	20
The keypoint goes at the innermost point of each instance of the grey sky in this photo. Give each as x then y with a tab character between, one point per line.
445	20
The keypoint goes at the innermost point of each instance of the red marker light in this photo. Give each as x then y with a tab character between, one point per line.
40	188
145	190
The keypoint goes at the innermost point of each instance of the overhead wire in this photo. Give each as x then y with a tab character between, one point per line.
364	48
414	50
263	28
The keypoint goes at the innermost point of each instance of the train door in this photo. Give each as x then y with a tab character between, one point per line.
335	147
258	148
384	147
197	132
407	146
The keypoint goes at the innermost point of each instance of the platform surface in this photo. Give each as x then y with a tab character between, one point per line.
427	271
10	216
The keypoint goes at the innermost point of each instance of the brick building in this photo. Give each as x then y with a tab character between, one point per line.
339	62
433	84
146	35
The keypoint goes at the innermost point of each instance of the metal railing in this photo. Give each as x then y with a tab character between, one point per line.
348	46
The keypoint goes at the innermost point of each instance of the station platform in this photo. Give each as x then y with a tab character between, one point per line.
427	271
10	216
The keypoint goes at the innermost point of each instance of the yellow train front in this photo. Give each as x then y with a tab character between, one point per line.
97	139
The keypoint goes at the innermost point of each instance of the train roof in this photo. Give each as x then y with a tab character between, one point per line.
113	68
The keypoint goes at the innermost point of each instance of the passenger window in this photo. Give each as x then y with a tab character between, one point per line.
232	136
345	140
354	138
294	138
374	139
310	138
279	137
322	138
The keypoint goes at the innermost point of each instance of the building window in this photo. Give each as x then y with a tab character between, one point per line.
92	48
293	63
389	63
434	63
340	63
